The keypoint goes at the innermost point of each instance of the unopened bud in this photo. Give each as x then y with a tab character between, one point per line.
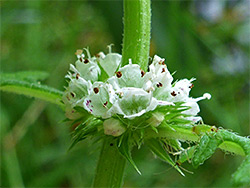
156	119
113	127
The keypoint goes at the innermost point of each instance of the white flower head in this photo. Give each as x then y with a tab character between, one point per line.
127	91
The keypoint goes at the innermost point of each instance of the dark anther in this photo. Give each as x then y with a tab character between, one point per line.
173	94
119	74
77	76
142	73
191	86
86	61
80	59
105	103
159	84
163	70
96	90
163	63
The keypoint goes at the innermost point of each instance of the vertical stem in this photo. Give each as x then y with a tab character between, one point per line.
110	167
136	43
136	39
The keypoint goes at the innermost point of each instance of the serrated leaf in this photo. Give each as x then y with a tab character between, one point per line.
125	150
242	176
204	150
25	83
156	147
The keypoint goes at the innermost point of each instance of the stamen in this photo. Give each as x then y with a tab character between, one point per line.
96	90
119	74
86	61
173	94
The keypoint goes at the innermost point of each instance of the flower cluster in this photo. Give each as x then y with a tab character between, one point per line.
105	89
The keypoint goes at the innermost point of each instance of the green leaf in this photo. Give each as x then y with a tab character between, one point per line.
25	83
156	147
242	176
125	150
206	147
241	144
187	154
25	75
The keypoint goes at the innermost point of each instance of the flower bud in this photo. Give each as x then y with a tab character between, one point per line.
156	119
113	127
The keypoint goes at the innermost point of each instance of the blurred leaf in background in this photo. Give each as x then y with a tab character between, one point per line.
208	40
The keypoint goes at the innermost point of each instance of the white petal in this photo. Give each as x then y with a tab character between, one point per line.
110	63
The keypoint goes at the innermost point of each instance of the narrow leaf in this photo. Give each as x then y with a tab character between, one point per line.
125	150
25	83
87	128
25	75
156	147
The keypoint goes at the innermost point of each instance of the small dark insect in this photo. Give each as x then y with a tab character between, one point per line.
119	74
191	86
72	94
80	59
111	144
173	94
142	73
159	84
163	70
96	90
86	61
77	76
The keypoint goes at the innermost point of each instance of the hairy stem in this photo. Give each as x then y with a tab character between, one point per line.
136	39
111	164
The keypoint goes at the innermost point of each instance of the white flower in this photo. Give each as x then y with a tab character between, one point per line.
100	99
160	78
110	62
128	76
133	102
128	91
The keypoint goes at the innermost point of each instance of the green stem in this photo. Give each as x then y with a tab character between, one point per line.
136	43
231	142
111	164
137	25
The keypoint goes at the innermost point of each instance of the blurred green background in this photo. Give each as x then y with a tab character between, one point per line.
208	40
